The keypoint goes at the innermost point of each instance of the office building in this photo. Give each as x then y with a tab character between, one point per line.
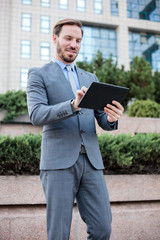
121	28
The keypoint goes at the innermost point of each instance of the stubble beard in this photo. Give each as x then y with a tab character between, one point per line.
68	59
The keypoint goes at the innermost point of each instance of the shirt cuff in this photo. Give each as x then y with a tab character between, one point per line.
73	108
111	124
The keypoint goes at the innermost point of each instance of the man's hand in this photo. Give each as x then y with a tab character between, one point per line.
79	95
114	112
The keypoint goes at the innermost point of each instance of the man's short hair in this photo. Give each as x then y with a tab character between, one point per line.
67	21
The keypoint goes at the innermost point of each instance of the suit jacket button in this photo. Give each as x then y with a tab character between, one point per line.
81	131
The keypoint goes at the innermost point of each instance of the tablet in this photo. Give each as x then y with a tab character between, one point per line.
100	94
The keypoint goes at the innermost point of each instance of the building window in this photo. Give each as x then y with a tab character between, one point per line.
98	6
145	44
143	9
81	5
45	24
114	8
98	39
63	4
44	51
27	2
26	22
26	49
23	77
45	3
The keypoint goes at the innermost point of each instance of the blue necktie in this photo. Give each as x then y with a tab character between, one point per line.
71	79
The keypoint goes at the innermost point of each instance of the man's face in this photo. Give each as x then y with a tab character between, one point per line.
68	43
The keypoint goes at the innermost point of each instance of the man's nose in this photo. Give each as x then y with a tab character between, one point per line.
73	44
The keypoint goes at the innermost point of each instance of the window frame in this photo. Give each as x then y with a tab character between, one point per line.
23	71
81	9
26	2
45	3
23	54
42	56
63	6
100	10
26	28
42	29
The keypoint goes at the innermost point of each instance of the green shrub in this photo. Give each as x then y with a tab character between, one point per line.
144	108
121	153
15	103
131	154
20	154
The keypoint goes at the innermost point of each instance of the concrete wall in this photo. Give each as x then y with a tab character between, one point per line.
127	125
135	203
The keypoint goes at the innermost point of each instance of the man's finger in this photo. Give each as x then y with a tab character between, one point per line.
84	89
118	105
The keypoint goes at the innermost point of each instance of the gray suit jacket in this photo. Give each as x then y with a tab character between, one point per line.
49	95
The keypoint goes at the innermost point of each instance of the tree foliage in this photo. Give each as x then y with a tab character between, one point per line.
156	80
140	79
142	82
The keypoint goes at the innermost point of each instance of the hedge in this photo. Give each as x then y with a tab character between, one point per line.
131	154
144	108
121	153
20	154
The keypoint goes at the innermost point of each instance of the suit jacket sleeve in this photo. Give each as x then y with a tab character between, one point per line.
40	112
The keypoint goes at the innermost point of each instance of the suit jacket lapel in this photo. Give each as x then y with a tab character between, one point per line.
83	80
81	77
61	80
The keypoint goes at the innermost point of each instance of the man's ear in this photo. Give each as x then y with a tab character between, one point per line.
54	37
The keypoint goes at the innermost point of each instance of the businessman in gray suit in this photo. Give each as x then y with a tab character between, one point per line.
71	165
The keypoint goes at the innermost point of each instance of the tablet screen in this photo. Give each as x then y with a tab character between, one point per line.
100	94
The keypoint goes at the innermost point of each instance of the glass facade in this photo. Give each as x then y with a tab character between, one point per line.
44	51
45	3
23	77
63	4
98	39
45	24
98	6
145	44
114	8
26	22
27	2
81	5
144	9
26	49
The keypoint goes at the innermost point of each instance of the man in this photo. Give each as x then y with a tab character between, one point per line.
71	164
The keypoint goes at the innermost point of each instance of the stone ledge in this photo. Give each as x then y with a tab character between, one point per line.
27	190
135	204
127	125
130	221
134	125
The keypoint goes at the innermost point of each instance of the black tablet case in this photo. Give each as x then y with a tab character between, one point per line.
100	94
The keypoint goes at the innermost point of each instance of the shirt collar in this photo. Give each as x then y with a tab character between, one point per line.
63	65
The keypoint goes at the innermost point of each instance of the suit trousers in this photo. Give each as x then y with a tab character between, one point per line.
85	184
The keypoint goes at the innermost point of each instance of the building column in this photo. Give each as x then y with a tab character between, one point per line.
122	36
